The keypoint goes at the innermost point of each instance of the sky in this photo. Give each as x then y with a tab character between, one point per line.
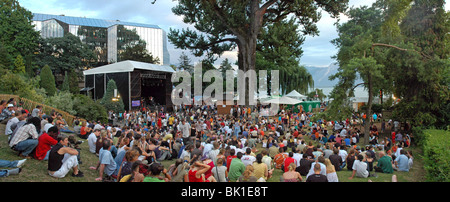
318	50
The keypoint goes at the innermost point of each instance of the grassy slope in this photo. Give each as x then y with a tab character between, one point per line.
36	171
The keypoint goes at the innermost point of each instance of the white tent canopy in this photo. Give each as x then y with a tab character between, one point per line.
295	94
128	66
283	100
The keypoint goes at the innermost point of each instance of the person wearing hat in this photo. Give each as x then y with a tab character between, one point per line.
7	113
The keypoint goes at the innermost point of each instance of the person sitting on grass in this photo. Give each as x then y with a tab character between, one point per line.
106	164
62	159
359	168
236	168
25	139
135	176
317	177
155	172
291	175
384	164
11	164
46	141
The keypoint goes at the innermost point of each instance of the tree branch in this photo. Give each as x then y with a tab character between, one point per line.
219	13
212	43
398	48
266	5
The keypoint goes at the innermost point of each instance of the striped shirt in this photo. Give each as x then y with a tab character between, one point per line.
23	133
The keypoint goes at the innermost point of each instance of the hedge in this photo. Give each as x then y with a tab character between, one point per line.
436	148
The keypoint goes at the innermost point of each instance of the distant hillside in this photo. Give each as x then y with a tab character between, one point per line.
321	74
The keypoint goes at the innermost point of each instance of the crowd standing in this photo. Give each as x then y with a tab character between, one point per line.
241	146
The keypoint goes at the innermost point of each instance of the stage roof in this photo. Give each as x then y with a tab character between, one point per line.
128	66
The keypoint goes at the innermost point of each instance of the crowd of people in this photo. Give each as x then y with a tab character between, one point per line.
242	146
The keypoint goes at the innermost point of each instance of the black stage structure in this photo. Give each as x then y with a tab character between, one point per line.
138	83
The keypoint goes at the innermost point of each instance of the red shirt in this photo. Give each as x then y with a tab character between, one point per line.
45	144
295	134
229	158
287	162
193	178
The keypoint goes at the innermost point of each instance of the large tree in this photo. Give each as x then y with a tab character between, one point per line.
279	48
17	34
398	47
64	54
419	74
356	58
226	25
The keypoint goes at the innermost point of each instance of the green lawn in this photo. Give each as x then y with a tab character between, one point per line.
36	171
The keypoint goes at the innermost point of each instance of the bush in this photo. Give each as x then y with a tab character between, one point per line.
88	109
62	101
48	81
17	84
437	155
116	106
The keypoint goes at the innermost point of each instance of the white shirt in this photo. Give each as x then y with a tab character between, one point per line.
185	129
361	169
297	158
47	126
248	160
92	139
11	122
343	154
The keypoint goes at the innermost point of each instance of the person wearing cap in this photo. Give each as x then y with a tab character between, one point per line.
6	113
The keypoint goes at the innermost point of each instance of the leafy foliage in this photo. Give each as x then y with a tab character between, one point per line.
139	53
107	102
19	65
48	80
62	101
437	155
64	54
16	30
224	25
89	109
279	48
17	84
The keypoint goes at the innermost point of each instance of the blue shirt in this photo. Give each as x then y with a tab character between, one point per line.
347	141
105	157
402	162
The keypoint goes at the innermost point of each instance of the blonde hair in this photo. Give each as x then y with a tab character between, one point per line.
330	166
248	172
291	167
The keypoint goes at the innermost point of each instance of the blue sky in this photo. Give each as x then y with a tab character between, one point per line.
317	50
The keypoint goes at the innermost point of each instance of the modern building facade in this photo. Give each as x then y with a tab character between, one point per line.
107	38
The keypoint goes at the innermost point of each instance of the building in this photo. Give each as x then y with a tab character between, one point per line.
107	38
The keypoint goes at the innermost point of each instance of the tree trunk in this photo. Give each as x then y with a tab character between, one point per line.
369	108
247	61
247	49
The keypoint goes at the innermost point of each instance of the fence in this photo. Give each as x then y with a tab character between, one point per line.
30	105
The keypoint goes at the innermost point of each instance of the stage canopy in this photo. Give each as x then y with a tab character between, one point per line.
128	66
